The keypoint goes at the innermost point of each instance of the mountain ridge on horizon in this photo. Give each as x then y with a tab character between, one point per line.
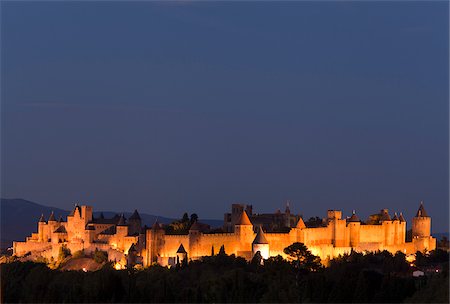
19	218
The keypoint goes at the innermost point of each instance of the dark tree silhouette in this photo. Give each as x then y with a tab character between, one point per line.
302	257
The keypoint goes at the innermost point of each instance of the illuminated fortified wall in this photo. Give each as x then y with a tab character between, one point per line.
336	236
83	232
126	240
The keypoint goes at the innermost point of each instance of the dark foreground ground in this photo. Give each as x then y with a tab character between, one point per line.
376	278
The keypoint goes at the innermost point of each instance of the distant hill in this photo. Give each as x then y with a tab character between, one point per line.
19	219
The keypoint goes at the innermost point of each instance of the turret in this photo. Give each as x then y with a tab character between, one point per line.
134	223
154	242
41	228
52	225
354	225
421	223
243	227
260	244
122	227
244	233
131	256
397	228
194	239
386	222
89	233
181	255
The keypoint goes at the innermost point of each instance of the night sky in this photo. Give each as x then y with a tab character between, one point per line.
191	106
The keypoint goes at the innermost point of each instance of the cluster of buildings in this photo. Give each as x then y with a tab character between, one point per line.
244	233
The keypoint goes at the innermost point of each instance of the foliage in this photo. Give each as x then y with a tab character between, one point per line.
356	277
181	226
100	256
64	252
314	222
302	257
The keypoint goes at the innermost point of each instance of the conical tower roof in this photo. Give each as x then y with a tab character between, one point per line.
354	217
401	218
421	212
395	218
42	219
122	221
260	237
244	220
52	217
60	219
181	249
135	215
300	224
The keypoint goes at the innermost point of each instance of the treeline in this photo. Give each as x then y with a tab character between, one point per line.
375	278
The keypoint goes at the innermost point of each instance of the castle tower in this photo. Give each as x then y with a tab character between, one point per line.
354	224
134	223
122	226
194	240
421	224
421	231
86	214
41	228
131	256
338	226
181	255
287	215
402	235
388	227
260	244
396	228
52	223
243	227
89	234
154	243
298	234
243	231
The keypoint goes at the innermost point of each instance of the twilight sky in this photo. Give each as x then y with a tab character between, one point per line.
191	106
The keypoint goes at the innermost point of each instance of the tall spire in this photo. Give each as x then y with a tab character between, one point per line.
42	219
52	217
395	218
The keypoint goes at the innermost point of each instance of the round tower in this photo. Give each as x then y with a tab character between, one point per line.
421	223
194	240
41	228
181	255
354	224
154	242
122	226
260	244
135	224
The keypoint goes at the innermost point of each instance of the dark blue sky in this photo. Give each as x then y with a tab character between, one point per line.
173	107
